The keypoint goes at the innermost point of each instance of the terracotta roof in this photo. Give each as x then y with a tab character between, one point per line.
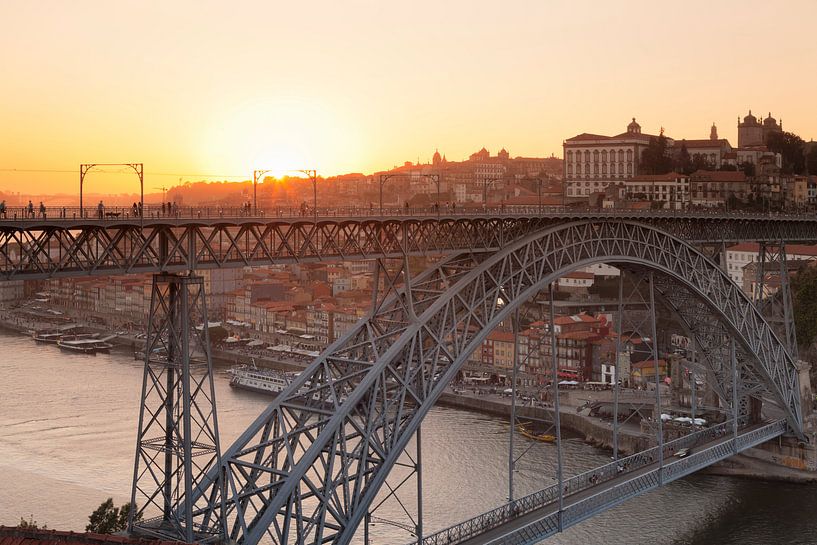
649	363
580	275
578	335
719	175
587	136
502	336
703	143
791	249
669	176
25	536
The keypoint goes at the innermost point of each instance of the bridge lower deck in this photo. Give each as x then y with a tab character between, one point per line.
533	525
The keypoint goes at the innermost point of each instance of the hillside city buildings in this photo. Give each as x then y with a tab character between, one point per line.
310	305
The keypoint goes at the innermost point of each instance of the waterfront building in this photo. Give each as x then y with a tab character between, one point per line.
670	190
593	161
740	255
714	188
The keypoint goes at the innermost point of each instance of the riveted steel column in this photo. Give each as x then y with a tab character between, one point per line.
418	468
735	403
514	376
556	415
659	421
617	383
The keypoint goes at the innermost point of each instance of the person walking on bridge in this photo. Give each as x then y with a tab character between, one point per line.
30	209
100	209
3	208
42	210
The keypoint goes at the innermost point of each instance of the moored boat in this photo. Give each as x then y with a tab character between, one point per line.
47	337
265	381
84	345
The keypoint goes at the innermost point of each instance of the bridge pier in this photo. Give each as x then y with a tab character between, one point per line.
177	441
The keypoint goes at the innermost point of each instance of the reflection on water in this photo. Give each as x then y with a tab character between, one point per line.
67	432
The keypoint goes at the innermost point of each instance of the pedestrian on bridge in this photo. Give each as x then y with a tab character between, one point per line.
163	208
135	209
3	208
42	210
100	209
30	208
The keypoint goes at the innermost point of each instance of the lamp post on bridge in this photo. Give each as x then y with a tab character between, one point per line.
138	168
485	183
311	173
386	177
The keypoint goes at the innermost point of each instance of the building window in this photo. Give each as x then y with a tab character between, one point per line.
604	156
569	156
621	168
595	168
595	156
620	156
604	168
629	155
587	169
629	168
569	169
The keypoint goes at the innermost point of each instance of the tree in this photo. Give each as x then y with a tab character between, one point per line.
790	146
811	161
748	169
683	163
804	297
108	519
654	159
30	524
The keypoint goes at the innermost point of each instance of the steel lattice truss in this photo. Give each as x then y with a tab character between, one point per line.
311	464
32	249
177	441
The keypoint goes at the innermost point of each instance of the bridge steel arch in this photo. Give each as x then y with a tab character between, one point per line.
308	468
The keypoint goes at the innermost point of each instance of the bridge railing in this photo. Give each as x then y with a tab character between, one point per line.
526	504
155	212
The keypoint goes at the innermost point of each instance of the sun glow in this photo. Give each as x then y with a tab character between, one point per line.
281	136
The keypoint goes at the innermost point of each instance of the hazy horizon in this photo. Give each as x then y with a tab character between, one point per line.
192	89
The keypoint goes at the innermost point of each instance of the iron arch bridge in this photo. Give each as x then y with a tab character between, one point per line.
308	468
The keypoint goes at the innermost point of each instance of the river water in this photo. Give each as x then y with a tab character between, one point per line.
68	424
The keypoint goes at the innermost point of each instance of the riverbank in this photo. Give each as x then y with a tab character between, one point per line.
785	461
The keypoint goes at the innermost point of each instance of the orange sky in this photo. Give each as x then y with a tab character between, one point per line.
215	87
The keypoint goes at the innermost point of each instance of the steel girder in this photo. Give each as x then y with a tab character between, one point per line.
309	466
35	249
177	442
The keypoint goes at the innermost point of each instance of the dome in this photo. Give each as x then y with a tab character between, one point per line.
770	121
634	127
750	119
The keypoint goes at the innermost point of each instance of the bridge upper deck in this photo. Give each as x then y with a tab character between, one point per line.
205	238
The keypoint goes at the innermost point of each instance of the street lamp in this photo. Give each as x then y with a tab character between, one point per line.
138	168
485	185
311	173
386	177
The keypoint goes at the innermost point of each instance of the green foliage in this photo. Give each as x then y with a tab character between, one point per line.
217	334
748	169
30	524
654	159
683	162
790	146
108	519
804	296
811	160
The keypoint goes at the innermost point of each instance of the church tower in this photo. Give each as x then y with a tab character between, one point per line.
713	132
750	131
